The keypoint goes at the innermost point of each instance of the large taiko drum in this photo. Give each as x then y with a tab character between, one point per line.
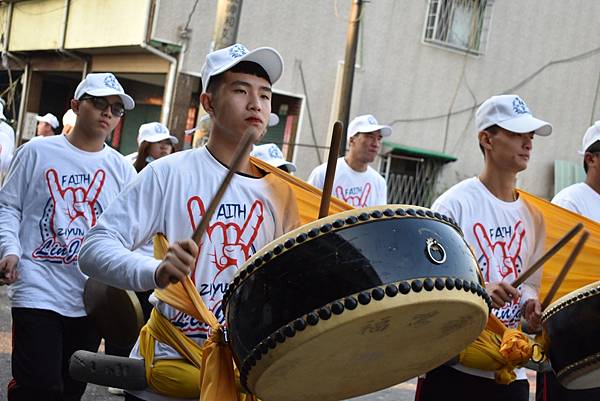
572	325
354	303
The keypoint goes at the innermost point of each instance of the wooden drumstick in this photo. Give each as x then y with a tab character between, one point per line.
563	272
334	151
540	262
241	151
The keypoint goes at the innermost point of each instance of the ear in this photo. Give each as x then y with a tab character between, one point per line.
485	140
589	158
75	106
206	99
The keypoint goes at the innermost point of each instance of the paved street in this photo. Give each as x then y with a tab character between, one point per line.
400	392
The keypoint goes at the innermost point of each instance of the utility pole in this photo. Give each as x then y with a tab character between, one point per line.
226	23
348	73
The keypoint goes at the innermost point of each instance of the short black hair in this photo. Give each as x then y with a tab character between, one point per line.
593	148
494	130
244	67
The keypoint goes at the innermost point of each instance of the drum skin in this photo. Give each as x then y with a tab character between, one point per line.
354	302
572	326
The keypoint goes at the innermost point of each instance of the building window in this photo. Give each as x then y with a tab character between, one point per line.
411	173
458	24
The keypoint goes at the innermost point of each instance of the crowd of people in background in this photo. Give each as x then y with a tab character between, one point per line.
73	207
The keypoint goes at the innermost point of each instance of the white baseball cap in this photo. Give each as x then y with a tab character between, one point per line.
48	118
154	132
103	84
592	135
271	153
223	59
367	123
69	118
511	113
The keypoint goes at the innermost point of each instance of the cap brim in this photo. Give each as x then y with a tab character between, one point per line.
278	163
127	100
161	137
385	129
267	57
525	124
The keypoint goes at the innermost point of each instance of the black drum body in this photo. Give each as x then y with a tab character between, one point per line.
353	303
572	325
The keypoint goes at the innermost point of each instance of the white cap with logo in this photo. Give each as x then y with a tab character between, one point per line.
103	84
367	123
511	113
48	118
271	153
592	135
154	132
223	59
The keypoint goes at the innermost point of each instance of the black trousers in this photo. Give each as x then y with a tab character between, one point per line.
549	389
43	342
445	383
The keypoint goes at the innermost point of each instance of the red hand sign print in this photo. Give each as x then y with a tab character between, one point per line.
354	200
74	202
229	244
501	256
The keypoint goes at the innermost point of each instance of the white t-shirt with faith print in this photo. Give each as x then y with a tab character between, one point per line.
506	238
53	193
359	189
170	196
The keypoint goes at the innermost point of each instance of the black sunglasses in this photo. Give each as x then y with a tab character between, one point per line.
117	109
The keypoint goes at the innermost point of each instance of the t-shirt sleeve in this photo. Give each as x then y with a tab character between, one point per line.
563	200
12	196
381	191
530	289
129	222
317	177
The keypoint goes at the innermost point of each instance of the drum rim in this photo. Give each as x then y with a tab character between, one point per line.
568	371
329	224
567	300
352	302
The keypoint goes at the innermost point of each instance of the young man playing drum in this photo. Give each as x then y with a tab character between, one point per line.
54	192
506	235
355	181
171	195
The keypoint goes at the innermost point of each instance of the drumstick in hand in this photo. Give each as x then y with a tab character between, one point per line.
565	269
334	151
540	262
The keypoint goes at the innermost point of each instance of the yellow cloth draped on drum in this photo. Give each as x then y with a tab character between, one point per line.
213	362
558	221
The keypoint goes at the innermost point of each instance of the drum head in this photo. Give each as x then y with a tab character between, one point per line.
117	313
585	376
342	356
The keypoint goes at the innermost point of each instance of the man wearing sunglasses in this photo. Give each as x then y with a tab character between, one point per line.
53	194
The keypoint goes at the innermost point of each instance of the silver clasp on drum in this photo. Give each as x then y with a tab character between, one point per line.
435	247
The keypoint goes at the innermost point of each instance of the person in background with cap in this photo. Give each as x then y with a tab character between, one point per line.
271	153
68	121
7	142
171	195
582	198
54	192
46	125
154	141
506	235
355	181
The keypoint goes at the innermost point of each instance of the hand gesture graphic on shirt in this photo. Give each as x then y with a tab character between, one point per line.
229	244
74	202
500	256
354	200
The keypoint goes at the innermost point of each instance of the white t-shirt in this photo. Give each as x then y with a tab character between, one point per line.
52	195
7	147
506	238
170	196
580	198
359	189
